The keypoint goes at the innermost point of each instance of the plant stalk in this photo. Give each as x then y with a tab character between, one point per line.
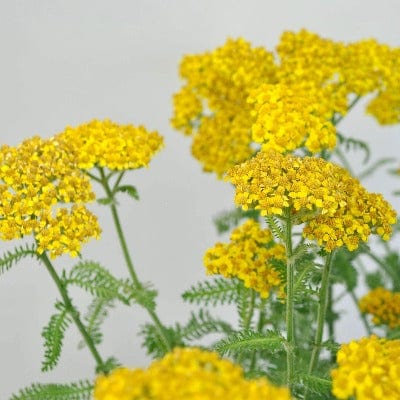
100	365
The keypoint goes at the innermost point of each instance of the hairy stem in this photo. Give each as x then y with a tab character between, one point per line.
100	365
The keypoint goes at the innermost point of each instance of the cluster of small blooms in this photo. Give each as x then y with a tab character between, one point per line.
288	118
368	369
248	257
383	305
316	78
186	374
212	105
337	210
107	144
37	179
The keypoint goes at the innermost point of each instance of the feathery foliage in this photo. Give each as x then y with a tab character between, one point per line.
11	258
275	227
240	342
216	291
228	220
53	335
202	324
354	144
81	390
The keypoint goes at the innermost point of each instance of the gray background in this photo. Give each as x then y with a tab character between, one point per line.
66	62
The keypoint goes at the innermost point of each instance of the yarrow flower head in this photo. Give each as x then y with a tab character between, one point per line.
383	305
186	374
248	257
288	118
368	369
108	144
336	209
212	104
42	192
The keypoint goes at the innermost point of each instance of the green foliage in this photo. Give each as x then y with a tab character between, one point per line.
106	201
81	390
96	314
249	341
343	269
95	279
11	258
317	385
110	364
374	280
130	190
245	306
155	342
202	324
53	335
354	144
215	291
370	170
228	220
143	295
275	227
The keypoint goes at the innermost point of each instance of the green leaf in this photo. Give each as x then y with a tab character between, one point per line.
106	201
95	316
144	295
247	341
343	268
315	384
228	220
354	144
97	280
370	170
374	280
53	335
81	390
217	291
129	190
275	227
11	258
202	324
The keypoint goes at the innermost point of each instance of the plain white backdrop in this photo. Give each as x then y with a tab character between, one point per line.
67	62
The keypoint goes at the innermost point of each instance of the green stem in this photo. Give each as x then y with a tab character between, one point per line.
128	260
290	333
321	314
100	365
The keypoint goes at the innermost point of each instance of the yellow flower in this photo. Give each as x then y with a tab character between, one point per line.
383	305
212	103
336	209
248	257
42	192
186	374
368	369
107	144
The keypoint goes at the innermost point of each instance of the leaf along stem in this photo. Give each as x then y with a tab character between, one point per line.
100	364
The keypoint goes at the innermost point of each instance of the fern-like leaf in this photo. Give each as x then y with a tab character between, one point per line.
11	258
81	390
53	335
202	324
95	279
275	228
95	316
247	341
319	385
144	295
217	291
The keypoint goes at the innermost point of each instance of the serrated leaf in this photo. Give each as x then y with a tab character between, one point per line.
240	342
11	258
130	190
216	291
145	295
315	384
53	334
97	280
275	228
81	390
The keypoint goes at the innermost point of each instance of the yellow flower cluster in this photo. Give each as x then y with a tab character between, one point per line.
287	117
316	80
337	210
37	180
383	305
186	374
368	369
212	104
248	257
108	144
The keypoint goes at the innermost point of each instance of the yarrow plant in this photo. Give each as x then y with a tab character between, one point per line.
305	233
